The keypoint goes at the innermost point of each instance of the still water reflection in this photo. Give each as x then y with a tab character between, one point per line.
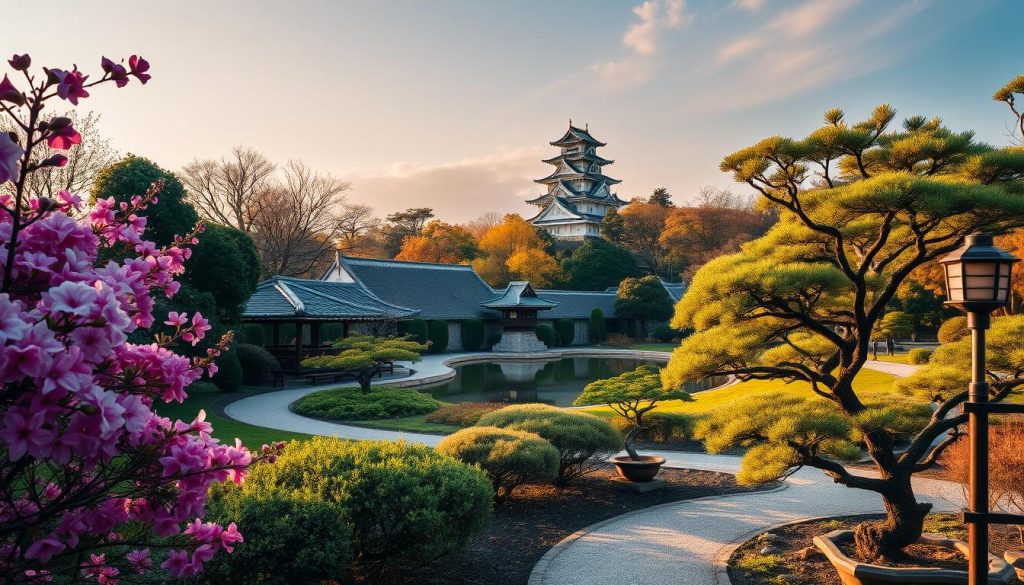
556	382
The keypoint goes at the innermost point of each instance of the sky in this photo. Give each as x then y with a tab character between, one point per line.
450	104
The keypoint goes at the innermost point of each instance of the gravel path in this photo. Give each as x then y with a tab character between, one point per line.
684	543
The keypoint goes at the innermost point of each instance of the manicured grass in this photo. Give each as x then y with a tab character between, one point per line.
208	398
666	347
868	384
899	358
409	424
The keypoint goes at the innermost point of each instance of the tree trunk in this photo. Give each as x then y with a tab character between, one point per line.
364	381
902	527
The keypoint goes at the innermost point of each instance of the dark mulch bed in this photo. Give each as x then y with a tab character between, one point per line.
538	516
800	568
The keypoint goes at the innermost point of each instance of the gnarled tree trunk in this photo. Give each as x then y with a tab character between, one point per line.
902	526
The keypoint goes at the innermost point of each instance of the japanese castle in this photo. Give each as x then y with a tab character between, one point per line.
579	194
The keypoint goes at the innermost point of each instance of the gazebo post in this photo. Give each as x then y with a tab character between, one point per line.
298	346
344	328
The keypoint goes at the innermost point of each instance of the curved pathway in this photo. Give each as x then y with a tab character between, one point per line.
678	543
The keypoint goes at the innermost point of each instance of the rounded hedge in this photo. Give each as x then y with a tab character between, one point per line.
353	404
582	439
598	329
661	427
256	362
546	334
919	355
287	539
229	376
565	330
664	333
438	331
415	327
402	501
953	329
472	334
509	457
252	333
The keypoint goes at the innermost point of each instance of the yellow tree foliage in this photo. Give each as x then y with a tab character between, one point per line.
514	235
439	242
534	265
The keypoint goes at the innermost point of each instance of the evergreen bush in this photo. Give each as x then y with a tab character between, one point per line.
288	540
472	334
546	334
953	329
252	333
919	355
438	336
403	502
255	361
415	327
598	329
665	333
582	439
509	457
229	372
332	331
381	402
566	331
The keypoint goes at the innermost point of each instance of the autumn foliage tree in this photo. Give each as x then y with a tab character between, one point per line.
861	206
515	240
439	242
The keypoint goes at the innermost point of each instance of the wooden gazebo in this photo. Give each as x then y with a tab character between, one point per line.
295	311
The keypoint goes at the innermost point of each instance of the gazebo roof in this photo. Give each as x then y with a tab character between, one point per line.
519	295
284	298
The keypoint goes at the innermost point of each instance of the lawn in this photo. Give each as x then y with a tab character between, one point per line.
899	358
868	384
212	400
666	347
409	424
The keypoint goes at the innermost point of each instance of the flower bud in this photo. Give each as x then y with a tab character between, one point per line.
59	123
57	160
20	62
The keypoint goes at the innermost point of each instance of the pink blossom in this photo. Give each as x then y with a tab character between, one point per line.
116	71
230	537
177	564
10	153
139	67
176	319
20	62
10	93
71	84
74	298
63	137
139	560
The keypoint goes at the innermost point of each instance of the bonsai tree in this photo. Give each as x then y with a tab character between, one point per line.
861	206
631	395
365	355
643	299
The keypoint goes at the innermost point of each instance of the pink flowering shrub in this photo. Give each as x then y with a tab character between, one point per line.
94	484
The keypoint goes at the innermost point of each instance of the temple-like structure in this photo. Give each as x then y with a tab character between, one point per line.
579	194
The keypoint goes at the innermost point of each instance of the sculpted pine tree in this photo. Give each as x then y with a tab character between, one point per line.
860	207
365	355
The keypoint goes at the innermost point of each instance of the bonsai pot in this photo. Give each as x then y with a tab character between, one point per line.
642	469
853	572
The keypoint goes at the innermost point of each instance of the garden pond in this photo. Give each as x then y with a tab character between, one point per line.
556	382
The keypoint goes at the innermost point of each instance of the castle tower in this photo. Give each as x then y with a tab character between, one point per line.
578	192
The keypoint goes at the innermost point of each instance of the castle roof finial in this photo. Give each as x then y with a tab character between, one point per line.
570	121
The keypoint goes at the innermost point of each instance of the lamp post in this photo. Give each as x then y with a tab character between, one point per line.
978	282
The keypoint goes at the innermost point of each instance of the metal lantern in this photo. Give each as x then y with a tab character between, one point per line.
978	275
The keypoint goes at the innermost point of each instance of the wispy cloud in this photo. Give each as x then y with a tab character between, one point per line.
643	40
751	5
458	190
798	50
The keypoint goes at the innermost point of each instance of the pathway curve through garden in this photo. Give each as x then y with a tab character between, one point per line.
682	543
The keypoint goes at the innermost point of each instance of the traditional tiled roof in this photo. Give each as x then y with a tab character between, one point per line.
519	294
576	156
573	304
284	297
438	291
574	135
570	208
593	176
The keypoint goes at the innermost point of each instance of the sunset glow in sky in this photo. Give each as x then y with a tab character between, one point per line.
450	104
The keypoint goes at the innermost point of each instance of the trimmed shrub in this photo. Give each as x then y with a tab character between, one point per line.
252	333
509	457
472	334
546	334
618	340
229	372
415	327
582	439
953	329
664	333
566	331
287	540
919	355
403	502
493	340
463	414
598	329
353	404
256	362
438	332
